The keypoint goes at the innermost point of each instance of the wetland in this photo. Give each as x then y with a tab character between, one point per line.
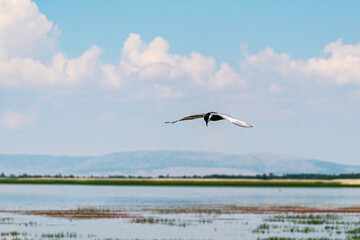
39	211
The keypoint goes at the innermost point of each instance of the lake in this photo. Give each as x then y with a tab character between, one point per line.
174	212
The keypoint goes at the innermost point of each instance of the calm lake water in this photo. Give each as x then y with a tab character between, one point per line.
171	225
72	196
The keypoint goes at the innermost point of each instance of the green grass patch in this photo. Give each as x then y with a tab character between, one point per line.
354	231
164	221
262	228
172	182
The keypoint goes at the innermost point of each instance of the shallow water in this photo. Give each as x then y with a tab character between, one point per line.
14	196
152	224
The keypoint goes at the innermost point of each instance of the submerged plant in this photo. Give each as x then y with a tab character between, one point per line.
165	221
262	228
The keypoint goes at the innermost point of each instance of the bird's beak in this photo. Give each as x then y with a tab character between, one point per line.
206	124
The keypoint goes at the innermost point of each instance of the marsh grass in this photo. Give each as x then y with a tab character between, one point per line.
308	219
61	235
93	209
279	225
354	231
336	226
164	221
176	182
6	220
298	229
80	213
262	228
12	234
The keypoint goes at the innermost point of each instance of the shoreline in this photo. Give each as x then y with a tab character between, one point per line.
196	182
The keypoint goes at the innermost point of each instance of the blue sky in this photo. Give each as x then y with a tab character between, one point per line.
93	77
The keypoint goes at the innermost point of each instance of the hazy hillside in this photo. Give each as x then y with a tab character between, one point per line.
174	163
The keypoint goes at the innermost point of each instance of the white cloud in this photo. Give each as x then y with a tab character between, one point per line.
28	58
148	61
326	83
198	67
139	54
26	36
27	50
341	67
112	78
24	72
225	76
15	120
141	61
24	31
268	60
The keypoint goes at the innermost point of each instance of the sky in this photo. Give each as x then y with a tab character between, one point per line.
91	77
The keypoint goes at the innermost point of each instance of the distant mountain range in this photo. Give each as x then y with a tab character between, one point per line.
173	163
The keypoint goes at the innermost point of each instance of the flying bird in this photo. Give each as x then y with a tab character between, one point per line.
214	116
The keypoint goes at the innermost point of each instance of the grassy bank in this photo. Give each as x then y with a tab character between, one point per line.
180	182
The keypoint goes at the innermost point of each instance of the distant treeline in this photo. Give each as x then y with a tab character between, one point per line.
290	176
219	176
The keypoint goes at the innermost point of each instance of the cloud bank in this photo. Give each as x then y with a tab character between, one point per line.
152	62
340	65
29	59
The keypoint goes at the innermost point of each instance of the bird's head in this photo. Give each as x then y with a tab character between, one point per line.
207	118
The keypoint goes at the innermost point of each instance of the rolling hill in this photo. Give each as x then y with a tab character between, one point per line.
173	163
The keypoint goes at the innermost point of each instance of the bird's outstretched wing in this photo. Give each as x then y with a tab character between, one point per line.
235	121
191	117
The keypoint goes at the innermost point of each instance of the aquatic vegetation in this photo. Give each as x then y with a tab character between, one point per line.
213	209
67	235
6	220
297	229
93	209
13	233
307	219
197	209
165	221
258	222
329	225
262	228
30	224
354	231
75	214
